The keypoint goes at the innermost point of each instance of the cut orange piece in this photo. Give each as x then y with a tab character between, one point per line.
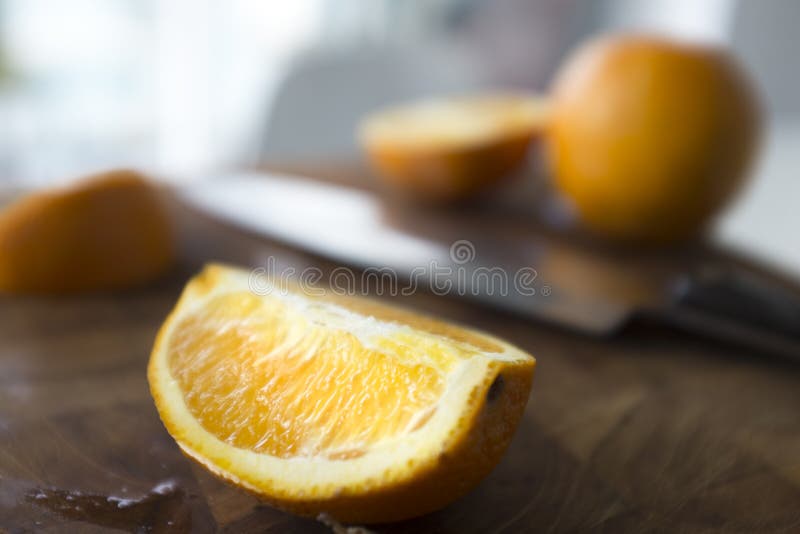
452	149
333	404
108	231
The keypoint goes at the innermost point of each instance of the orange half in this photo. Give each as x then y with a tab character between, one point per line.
454	148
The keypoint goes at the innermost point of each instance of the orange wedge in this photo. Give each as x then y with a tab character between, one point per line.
108	231
333	404
452	149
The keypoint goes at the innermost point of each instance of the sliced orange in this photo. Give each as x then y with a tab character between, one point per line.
108	231
333	404
453	148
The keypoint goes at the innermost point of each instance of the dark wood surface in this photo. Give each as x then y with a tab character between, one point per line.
653	431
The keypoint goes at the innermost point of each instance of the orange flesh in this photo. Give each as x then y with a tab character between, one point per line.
262	376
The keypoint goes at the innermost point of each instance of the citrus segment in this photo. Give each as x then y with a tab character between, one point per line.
319	406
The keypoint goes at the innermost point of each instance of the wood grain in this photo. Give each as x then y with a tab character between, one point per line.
653	431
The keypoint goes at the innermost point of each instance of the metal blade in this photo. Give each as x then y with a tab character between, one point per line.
353	227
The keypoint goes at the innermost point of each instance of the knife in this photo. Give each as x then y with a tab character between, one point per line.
518	268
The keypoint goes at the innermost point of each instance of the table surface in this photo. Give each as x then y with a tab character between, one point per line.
650	431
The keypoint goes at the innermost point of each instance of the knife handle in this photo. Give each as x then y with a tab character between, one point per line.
738	306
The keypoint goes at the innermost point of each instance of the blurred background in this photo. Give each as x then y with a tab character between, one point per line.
184	87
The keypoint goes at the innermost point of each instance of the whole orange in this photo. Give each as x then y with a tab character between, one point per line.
651	137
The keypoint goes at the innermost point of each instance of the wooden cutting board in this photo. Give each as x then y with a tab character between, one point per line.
652	431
